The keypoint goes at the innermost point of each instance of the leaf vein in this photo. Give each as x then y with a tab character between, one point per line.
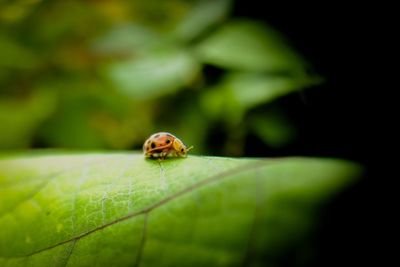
249	251
163	201
143	241
69	253
46	181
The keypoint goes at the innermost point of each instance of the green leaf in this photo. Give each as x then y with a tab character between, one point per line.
241	91
123	210
201	18
157	73
247	45
125	39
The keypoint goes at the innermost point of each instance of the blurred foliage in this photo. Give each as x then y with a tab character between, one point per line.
107	74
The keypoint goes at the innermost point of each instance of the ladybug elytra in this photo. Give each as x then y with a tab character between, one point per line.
161	145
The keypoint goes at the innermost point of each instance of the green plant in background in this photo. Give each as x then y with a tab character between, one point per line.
122	210
106	74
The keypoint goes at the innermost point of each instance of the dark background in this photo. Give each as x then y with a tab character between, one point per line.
335	119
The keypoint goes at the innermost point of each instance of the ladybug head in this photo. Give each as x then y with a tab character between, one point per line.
180	148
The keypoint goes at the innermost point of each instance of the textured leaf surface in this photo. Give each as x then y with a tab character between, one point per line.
123	210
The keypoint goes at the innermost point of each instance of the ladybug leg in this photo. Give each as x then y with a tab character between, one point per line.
164	154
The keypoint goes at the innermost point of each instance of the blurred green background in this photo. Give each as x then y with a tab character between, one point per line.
107	74
95	74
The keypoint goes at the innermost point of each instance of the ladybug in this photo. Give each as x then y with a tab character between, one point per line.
161	145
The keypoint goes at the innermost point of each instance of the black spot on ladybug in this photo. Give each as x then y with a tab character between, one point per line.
156	136
158	150
169	135
182	149
153	145
168	141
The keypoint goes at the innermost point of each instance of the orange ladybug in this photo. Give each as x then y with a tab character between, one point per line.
161	145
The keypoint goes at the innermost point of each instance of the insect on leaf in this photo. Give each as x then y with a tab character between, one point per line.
124	210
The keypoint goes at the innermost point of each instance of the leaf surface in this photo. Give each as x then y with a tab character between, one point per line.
123	210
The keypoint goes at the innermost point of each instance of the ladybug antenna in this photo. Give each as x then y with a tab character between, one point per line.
189	148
